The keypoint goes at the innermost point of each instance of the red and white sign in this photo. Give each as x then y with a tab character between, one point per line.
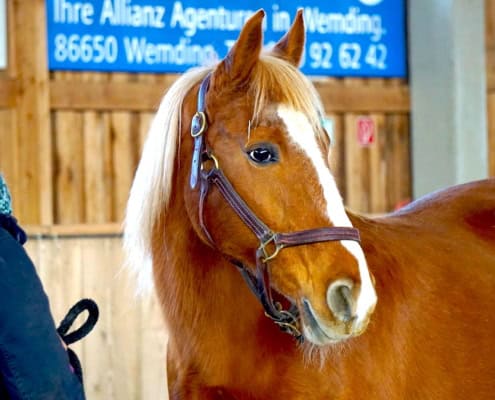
365	131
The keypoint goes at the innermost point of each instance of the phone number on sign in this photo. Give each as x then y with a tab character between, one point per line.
349	56
321	55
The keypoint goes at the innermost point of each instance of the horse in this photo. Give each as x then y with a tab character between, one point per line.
269	287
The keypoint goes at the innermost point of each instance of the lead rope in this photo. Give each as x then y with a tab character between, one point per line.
93	313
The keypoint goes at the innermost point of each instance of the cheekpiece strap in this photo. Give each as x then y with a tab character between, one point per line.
199	124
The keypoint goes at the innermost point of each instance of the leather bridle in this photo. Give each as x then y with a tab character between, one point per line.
271	242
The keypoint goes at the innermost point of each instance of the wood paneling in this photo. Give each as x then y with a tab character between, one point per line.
124	357
71	140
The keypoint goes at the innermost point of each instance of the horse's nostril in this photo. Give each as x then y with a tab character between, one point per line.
340	300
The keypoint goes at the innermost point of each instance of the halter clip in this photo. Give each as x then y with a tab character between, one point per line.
263	247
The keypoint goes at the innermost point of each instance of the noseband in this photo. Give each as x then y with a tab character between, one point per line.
271	243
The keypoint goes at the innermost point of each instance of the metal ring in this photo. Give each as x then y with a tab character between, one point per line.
212	158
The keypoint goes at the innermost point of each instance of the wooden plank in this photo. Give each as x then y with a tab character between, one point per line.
8	93
403	151
97	178
11	41
126	319
489	24
337	152
69	177
33	117
97	160
398	159
143	96
490	70
123	161
125	139
377	176
98	274
146	118
355	167
491	132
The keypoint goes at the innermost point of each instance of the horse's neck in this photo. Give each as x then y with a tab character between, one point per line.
197	286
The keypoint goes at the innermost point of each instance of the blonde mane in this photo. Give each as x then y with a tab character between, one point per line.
151	188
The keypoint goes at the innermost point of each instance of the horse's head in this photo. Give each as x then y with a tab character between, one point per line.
264	129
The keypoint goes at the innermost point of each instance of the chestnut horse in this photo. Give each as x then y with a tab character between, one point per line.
233	197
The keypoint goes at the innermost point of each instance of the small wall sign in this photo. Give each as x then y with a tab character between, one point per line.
365	131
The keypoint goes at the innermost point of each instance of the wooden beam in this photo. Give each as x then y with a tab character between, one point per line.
143	96
105	96
8	93
341	98
74	230
33	113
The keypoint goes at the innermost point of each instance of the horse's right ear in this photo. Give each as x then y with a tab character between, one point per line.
242	57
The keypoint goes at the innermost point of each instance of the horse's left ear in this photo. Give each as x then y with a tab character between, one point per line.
291	46
236	67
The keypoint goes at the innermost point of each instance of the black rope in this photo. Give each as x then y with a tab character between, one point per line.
93	313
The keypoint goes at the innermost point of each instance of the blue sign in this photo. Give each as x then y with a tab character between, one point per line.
344	38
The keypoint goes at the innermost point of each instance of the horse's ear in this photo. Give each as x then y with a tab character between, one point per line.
291	46
242	57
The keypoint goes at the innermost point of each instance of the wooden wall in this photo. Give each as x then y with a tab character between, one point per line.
69	142
123	358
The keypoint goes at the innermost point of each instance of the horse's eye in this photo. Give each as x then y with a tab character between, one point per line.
263	155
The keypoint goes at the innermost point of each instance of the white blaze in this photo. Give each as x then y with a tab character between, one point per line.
301	132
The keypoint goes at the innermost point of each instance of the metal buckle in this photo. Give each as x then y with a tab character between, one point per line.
198	124
263	248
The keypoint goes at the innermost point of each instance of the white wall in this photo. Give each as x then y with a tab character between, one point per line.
448	93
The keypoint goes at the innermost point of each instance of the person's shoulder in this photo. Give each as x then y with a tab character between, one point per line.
7	220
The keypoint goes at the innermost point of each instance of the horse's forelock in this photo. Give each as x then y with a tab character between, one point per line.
152	185
274	77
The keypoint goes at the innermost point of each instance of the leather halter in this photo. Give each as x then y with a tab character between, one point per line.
271	243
